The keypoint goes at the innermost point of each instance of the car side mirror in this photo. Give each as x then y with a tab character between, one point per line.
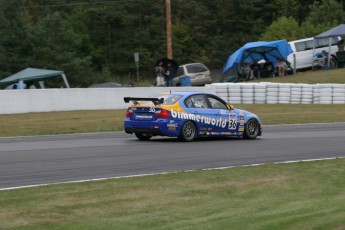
230	107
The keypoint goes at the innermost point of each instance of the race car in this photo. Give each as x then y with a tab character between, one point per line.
188	116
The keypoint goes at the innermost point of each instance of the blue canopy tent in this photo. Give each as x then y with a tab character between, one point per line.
254	51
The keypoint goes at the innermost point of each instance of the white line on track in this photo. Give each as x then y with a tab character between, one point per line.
163	173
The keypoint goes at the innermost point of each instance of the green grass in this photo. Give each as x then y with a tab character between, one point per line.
61	122
306	195
112	120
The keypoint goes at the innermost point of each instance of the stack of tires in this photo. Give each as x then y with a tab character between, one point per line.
338	94
234	93
247	92
296	94
260	93
316	94
272	93
326	93
307	94
222	91
284	94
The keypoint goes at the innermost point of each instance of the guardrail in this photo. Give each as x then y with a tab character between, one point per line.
48	100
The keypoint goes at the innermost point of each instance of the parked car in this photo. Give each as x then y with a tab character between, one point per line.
188	115
303	51
198	74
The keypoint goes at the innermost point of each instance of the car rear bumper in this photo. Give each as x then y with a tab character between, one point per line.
153	131
154	128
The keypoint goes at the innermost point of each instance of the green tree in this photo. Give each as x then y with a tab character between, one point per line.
323	16
287	8
282	28
14	46
56	46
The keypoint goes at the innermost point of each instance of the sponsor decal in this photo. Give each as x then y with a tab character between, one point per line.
226	133
218	122
215	133
143	116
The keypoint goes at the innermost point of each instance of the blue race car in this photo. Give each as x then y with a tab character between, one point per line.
188	115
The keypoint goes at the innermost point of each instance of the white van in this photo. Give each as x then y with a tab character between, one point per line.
303	51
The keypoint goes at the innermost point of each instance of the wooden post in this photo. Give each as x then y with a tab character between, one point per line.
169	33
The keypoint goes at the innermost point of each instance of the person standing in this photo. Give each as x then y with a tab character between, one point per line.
160	74
170	74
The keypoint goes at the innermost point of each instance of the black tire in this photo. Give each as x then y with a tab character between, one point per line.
252	129
189	131
143	136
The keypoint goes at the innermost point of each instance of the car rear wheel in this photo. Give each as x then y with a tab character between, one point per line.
189	131
143	136
252	129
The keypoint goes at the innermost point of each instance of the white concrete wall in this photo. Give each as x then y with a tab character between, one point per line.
48	100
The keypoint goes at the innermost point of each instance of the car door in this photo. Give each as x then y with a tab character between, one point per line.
199	111
227	120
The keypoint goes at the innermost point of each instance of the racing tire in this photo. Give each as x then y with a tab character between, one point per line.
143	136
252	128
189	131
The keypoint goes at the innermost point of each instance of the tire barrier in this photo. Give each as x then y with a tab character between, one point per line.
280	93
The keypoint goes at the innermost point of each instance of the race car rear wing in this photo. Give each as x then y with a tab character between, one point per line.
136	100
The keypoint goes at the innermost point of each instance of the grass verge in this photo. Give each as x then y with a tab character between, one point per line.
112	120
305	195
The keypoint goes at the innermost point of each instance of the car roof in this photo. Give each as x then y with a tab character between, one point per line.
196	63
184	93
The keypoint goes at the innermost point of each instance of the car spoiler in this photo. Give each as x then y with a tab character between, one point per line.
135	100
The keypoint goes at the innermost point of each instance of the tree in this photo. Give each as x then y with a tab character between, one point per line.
287	8
56	46
323	16
282	28
14	46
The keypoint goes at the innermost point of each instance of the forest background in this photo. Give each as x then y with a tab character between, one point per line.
94	41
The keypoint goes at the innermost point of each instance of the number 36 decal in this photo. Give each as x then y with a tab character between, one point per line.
232	123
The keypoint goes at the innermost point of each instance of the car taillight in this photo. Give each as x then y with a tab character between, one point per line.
129	113
163	114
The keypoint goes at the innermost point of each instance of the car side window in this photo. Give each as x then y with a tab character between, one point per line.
188	102
197	101
300	46
216	104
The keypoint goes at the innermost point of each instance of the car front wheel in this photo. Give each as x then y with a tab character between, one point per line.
189	131
251	129
143	136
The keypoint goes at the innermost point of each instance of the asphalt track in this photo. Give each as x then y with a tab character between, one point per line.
26	161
